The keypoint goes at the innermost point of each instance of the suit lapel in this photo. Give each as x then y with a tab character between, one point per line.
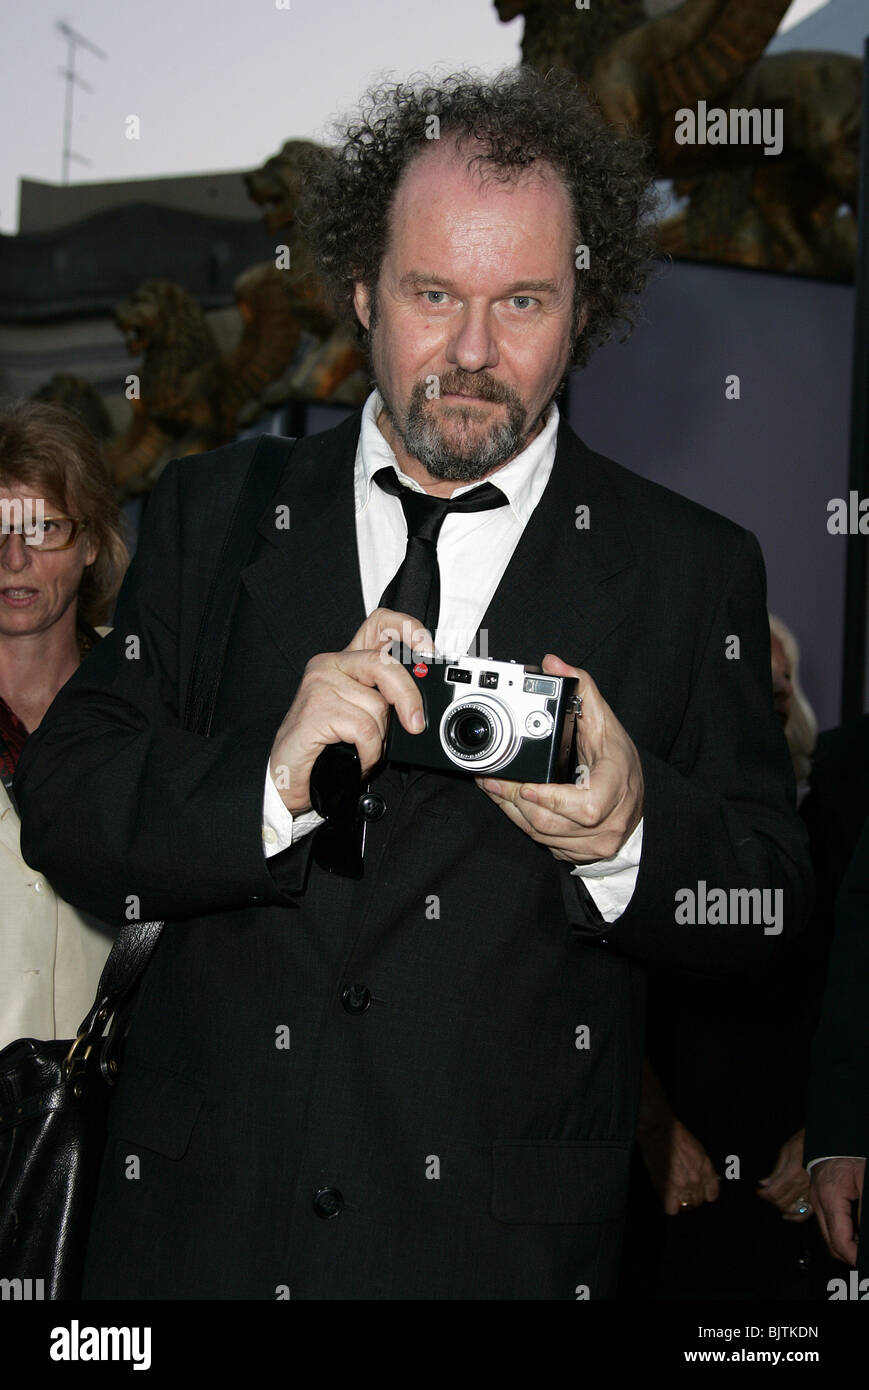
305	580
556	595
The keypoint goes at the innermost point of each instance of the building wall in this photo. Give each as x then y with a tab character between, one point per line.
43	207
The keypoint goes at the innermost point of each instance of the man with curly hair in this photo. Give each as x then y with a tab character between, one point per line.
418	1077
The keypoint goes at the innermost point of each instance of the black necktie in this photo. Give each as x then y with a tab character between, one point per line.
415	588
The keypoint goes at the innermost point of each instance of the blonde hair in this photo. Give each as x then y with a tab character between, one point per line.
801	729
48	447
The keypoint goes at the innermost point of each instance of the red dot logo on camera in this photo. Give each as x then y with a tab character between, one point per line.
420	669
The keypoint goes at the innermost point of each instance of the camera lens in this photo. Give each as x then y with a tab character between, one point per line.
478	735
471	731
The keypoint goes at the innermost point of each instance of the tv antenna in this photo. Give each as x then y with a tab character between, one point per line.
75	40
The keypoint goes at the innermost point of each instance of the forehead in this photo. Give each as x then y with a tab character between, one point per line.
444	209
25	491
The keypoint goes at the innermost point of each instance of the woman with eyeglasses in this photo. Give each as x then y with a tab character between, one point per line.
62	559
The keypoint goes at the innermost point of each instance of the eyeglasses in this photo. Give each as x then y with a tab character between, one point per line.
51	533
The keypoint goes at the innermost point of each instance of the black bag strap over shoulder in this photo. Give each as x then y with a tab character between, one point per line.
136	940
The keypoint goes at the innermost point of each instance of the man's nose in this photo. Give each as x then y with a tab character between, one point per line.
472	345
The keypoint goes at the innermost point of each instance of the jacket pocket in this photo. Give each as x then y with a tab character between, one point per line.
560	1181
155	1109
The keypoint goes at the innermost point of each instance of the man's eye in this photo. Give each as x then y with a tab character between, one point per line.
521	301
435	300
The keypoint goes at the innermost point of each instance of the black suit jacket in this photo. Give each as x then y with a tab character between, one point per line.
838	1120
477	1151
838	1110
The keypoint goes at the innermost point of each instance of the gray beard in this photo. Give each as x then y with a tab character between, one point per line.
423	439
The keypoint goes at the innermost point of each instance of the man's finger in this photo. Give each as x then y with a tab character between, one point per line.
583	834
575	844
591	723
587	802
384	626
390	678
580	844
821	1214
841	1227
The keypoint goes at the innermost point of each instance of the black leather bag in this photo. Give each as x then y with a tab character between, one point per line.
54	1096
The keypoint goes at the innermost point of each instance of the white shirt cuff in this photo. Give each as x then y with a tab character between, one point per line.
827	1157
280	827
611	882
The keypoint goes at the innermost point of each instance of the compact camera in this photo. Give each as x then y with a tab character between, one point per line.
484	717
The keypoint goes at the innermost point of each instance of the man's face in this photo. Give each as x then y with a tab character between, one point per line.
474	310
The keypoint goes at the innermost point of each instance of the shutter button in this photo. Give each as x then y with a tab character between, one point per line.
356	999
328	1203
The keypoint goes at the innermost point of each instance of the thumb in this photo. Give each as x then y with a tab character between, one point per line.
554	666
587	722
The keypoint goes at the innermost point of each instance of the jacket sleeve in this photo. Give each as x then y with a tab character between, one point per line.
719	811
126	812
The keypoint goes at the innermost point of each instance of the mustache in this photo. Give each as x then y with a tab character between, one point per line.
471	384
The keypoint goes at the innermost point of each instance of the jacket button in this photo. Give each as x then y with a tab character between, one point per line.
356	999
371	806
328	1202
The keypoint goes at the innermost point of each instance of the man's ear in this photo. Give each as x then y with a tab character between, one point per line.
362	304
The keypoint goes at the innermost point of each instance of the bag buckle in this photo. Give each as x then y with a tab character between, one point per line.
75	1059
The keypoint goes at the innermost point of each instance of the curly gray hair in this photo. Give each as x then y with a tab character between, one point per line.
518	117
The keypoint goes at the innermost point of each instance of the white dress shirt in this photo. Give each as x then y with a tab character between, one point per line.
474	549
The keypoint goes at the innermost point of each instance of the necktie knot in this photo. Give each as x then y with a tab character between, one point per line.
425	514
415	588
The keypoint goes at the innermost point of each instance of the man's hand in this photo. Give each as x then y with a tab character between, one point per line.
835	1184
787	1186
345	697
590	819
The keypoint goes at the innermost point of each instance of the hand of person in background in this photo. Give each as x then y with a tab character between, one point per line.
681	1170
835	1184
787	1186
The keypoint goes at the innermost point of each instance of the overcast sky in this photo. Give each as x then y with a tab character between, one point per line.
217	84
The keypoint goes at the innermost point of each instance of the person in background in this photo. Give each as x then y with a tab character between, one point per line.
728	1081
62	559
793	709
837	1139
837	815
